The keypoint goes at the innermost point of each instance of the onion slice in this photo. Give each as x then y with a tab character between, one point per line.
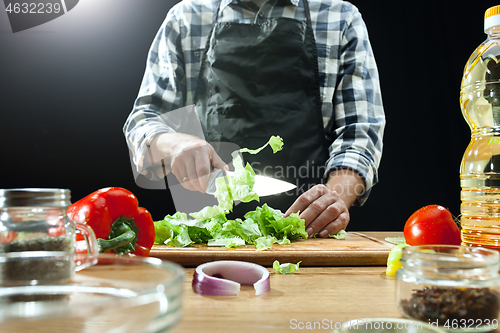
224	278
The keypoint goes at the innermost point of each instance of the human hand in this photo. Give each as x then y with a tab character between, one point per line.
322	209
190	158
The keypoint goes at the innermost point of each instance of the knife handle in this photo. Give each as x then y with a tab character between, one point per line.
216	173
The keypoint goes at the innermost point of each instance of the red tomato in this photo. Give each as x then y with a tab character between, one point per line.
432	224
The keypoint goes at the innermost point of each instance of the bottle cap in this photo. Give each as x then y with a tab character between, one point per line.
491	17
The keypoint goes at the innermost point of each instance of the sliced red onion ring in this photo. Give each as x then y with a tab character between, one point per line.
224	278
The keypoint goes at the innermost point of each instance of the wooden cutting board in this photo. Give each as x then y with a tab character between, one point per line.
359	249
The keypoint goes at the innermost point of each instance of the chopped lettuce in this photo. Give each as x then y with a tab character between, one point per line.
263	227
172	233
276	143
265	242
208	212
286	268
239	185
342	234
396	240
273	223
226	242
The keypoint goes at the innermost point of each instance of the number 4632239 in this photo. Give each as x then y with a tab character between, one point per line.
33	8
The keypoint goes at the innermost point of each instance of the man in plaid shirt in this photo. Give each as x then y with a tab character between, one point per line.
349	104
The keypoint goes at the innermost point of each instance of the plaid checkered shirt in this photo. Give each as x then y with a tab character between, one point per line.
352	109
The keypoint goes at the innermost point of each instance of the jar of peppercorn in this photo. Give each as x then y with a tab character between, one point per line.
37	239
456	288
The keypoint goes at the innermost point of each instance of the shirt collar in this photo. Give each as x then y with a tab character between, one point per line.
225	3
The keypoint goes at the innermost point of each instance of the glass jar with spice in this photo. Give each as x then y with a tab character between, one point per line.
456	288
37	239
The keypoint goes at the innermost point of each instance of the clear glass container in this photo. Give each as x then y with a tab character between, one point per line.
37	239
117	294
456	288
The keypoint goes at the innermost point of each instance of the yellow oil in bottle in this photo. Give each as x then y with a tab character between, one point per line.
480	168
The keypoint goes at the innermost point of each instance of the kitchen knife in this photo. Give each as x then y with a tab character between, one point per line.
263	185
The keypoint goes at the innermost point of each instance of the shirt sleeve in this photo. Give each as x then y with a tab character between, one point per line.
358	121
162	90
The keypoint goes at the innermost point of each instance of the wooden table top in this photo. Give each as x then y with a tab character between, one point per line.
323	295
312	299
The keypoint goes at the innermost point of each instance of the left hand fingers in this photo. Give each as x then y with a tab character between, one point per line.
326	224
303	201
323	211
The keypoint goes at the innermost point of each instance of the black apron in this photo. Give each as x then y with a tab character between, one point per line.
258	80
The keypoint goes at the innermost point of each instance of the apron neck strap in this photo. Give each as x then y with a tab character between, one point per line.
308	12
306	8
216	16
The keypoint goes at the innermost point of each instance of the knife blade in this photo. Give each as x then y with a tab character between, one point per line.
263	186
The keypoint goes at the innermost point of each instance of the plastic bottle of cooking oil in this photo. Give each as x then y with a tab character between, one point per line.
480	168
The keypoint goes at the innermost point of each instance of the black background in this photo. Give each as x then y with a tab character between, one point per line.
67	87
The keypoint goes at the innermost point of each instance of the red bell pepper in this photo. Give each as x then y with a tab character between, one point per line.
117	220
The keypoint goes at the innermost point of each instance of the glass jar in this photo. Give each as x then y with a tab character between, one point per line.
37	239
456	288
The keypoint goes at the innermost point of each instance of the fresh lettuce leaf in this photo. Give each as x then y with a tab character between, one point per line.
162	232
246	230
272	222
265	242
396	240
341	234
276	143
242	181
251	230
223	192
208	212
239	186
262	227
286	268
226	242
181	240
283	241
174	234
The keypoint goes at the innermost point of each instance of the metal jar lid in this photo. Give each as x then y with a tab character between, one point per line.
34	197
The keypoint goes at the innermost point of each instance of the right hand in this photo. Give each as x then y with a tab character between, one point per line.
190	158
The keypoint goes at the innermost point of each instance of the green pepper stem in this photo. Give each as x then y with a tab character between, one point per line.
124	239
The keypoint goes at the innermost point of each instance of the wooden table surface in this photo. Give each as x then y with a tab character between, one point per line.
313	294
321	296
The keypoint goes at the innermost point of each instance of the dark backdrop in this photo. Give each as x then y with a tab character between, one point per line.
66	88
